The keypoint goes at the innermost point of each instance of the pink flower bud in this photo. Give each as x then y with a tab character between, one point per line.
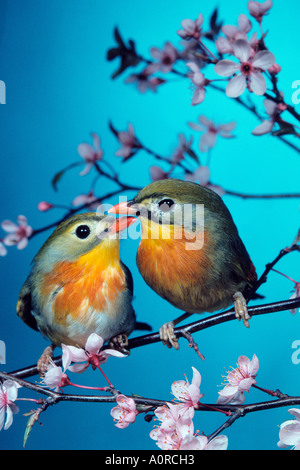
281	107
275	68
44	206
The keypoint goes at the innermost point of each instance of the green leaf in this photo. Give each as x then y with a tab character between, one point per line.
57	177
193	155
34	416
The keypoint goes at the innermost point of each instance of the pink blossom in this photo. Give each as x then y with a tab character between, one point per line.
171	414
273	110
289	434
181	438
197	442
233	33
91	154
3	250
128	141
55	378
249	67
188	394
199	81
89	200
8	395
158	173
176	431
183	147
44	206
202	175
125	413
258	10
208	139
144	82
175	427
92	354
166	57
217	443
274	69
191	29
18	234
295	295
239	381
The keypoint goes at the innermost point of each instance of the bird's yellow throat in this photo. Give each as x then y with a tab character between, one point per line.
86	278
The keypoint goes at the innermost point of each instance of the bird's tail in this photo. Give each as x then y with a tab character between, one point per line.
139	325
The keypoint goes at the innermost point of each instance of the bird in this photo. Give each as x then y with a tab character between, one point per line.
78	285
190	252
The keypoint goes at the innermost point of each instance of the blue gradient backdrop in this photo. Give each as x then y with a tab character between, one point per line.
52	59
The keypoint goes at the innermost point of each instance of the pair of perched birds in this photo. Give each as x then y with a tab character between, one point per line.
78	285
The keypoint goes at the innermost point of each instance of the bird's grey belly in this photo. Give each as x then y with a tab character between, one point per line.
118	318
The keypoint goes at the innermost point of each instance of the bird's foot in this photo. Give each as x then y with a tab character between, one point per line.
120	343
45	359
167	335
240	307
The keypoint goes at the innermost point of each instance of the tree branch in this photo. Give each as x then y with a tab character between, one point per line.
194	327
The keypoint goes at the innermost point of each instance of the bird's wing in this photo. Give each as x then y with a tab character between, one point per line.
244	268
24	306
128	276
129	282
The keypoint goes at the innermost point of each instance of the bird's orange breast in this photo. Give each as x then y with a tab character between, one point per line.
173	269
91	282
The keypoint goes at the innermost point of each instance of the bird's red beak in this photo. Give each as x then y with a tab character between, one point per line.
121	224
126	207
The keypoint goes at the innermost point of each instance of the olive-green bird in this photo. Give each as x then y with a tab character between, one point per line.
78	285
190	251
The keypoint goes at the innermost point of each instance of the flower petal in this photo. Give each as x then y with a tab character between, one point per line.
96	141
94	343
230	31
244	23
188	25
218	443
264	128
202	174
86	151
254	365
236	86
9	418
290	434
258	83
295	412
198	96
195	126
11	389
270	107
226	67
246	384
241	50
2	417
9	226
22	243
111	352
3	250
206	122
207	141
263	60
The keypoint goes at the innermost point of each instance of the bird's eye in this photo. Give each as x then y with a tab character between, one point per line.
83	231
166	204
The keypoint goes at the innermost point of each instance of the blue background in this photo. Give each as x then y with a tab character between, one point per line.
52	59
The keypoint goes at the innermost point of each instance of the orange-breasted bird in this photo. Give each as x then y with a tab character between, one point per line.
78	285
190	251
